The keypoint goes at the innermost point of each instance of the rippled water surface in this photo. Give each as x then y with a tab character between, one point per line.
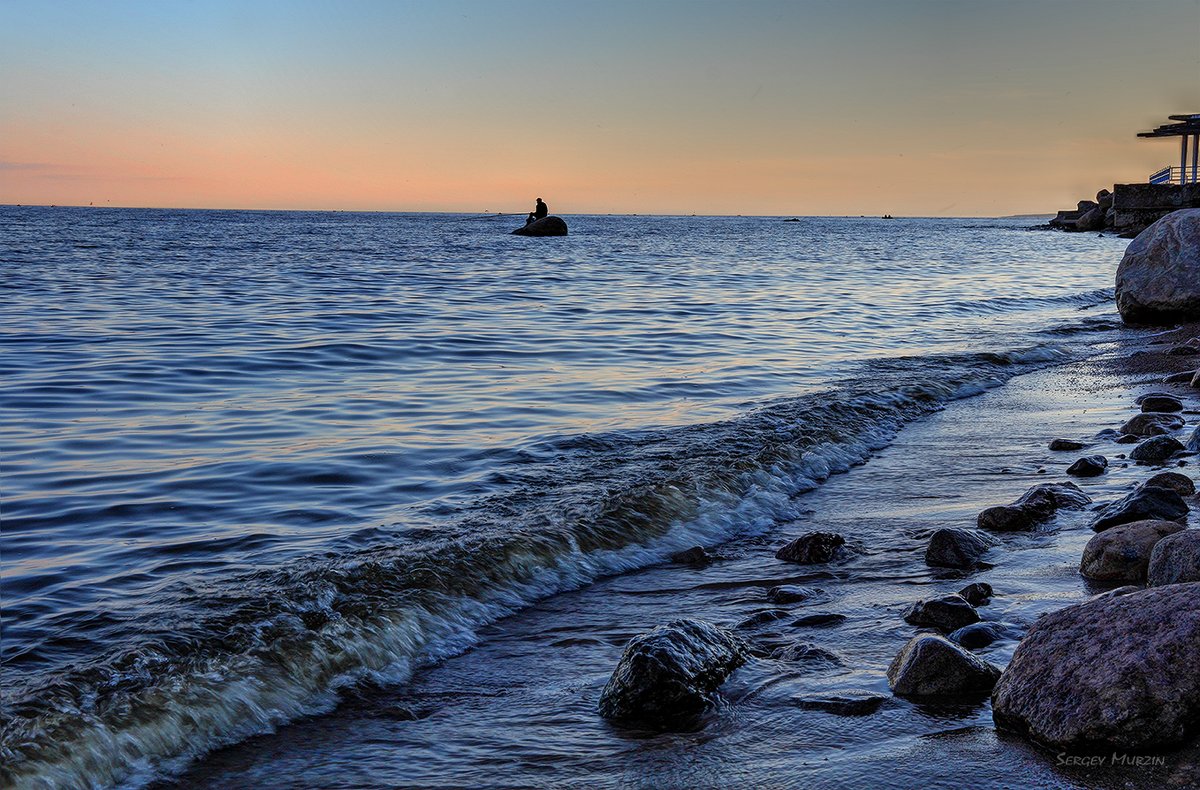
253	459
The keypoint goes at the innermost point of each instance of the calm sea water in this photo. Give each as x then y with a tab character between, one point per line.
253	461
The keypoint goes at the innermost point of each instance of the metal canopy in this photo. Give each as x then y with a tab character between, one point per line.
1186	124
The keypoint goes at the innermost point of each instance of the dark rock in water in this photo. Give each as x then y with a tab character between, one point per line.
1128	438
932	666
812	548
977	635
1184	350
1035	505
957	548
1122	554
977	593
1111	673
948	613
1158	280
666	677
1193	442
1066	444
1141	505
546	226
807	652
851	702
1088	466
822	618
765	616
1156	450
1158	402
1152	424
792	593
1180	484
1175	559
1180	378
696	555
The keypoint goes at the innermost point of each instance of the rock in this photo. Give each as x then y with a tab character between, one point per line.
957	548
1180	484
1117	591
977	593
758	618
1104	198
1092	219
792	593
1066	444
1193	442
1156	450
1152	424
1143	504
1035	505
948	613
977	635
1112	673
546	226
808	653
851	702
1181	378
1088	466
1175	559
696	555
1128	438
1194	381
1158	280
823	618
1156	402
812	548
1184	350
1086	205
666	677
932	666
1121	554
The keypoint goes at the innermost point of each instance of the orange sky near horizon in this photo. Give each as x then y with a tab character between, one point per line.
919	108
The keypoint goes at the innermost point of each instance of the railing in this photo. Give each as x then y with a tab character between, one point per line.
1175	175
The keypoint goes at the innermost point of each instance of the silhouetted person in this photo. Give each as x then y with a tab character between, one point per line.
539	211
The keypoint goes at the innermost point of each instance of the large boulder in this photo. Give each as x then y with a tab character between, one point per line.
1147	502
812	548
1156	450
1121	554
666	677
948	613
1035	505
1179	483
932	666
1092	219
1152	424
1108	673
957	548
1160	402
1175	559
546	226
1158	281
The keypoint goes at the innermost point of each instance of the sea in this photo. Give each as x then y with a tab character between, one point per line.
335	499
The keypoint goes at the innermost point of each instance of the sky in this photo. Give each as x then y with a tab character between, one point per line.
907	107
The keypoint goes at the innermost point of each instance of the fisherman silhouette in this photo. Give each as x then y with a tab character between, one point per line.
539	211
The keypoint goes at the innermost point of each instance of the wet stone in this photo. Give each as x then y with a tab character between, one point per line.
977	593
948	613
819	619
1088	466
793	593
1061	445
1179	483
812	548
851	702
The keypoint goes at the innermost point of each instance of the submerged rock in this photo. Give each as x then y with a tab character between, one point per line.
851	702
1175	559
1152	424
977	593
546	226
1146	503
1156	450
1179	483
1066	444
948	613
932	666
1036	505
952	547
1160	402
812	548
821	618
666	677
765	616
976	635
1193	442
1127	438
696	555
1088	466
1121	554
1108	673
793	593
806	652
1158	280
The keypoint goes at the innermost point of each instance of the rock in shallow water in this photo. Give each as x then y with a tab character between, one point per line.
695	556
1088	466
1158	280
666	677
932	666
1152	424
793	593
1146	503
1122	554
950	612
1036	505
1160	402
1156	450
1060	445
977	593
957	548
1179	483
977	635
812	548
1175	559
546	226
851	702
1109	673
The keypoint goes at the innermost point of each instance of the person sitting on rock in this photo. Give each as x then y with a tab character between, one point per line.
539	212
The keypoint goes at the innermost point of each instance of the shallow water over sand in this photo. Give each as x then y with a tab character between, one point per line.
256	463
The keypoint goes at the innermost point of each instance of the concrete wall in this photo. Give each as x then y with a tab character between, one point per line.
1136	206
